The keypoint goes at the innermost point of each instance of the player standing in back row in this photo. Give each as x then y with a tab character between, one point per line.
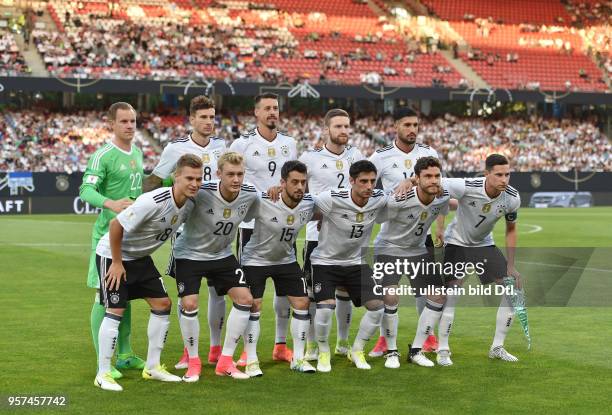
201	142
396	163
112	181
265	150
328	168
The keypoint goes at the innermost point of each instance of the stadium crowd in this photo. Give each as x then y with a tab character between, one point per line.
12	62
40	141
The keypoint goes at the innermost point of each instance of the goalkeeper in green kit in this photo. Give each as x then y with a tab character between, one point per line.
112	181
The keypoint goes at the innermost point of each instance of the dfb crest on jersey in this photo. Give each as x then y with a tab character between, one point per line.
317	287
114	298
227	213
133	164
359	217
408	163
339	164
181	287
423	215
486	208
285	151
271	152
242	209
205	158
174	219
290	219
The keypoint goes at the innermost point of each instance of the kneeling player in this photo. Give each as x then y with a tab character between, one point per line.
270	252
348	217
126	269
401	245
204	249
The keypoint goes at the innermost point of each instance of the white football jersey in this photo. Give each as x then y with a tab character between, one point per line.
394	165
477	213
407	220
147	224
345	227
276	229
213	223
175	149
264	159
326	171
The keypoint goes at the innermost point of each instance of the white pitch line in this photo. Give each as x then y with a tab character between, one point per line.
534	228
608	271
39	244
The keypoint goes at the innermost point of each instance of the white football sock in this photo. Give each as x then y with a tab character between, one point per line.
107	341
282	310
427	321
159	321
236	324
505	317
446	321
344	314
299	326
323	322
370	321
310	336
190	330
389	324
216	315
251	337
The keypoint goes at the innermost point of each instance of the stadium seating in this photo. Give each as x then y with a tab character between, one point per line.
245	43
12	62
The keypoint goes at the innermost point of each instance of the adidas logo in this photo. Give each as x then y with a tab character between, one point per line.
472	203
345	216
395	166
210	212
163	219
411	216
256	153
324	166
123	167
274	219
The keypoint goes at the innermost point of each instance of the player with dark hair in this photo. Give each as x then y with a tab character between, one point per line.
396	163
202	142
482	202
348	217
270	253
265	150
329	169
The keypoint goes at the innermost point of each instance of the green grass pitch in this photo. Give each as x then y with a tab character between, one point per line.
47	349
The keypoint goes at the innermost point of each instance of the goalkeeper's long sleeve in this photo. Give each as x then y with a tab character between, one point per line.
89	194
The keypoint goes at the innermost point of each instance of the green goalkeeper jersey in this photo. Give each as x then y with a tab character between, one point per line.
111	174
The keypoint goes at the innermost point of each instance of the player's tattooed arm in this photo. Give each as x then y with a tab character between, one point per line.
511	237
151	182
116	271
